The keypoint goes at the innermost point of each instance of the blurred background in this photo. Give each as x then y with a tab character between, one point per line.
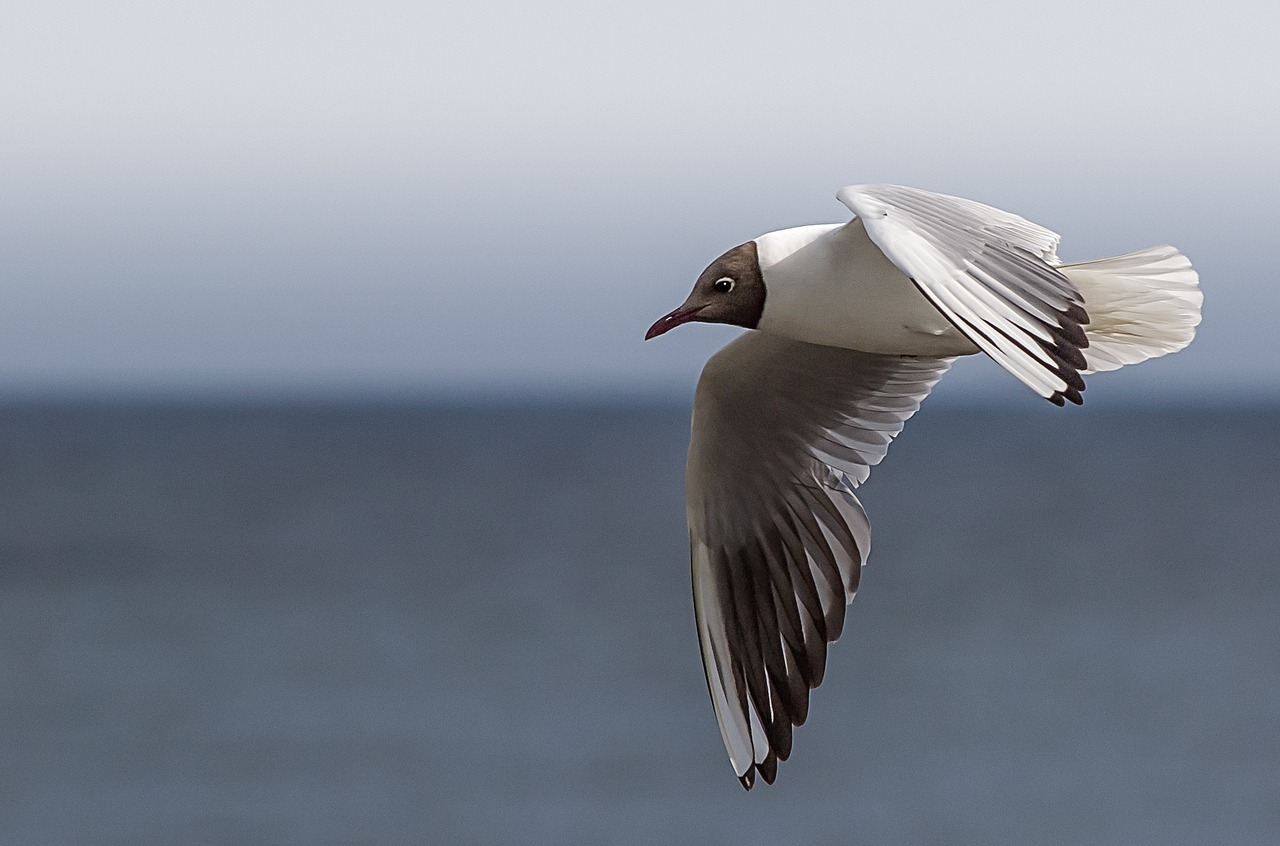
342	501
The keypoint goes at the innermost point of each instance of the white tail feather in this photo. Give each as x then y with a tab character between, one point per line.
1141	305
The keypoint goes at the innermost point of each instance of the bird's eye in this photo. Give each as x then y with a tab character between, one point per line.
723	285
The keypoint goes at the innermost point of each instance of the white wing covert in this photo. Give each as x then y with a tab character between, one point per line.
992	274
782	433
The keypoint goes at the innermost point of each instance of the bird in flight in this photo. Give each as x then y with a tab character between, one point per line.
855	322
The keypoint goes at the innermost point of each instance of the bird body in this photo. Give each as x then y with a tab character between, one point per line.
829	284
855	322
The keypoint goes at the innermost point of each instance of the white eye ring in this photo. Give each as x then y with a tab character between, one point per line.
721	288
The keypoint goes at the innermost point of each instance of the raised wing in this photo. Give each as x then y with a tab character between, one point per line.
994	276
782	433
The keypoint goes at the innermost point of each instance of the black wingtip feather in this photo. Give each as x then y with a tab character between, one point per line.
768	768
1060	398
1067	351
1074	379
1078	317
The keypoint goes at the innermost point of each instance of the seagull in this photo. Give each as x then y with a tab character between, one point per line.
854	323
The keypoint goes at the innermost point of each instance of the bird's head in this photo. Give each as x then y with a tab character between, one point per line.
730	290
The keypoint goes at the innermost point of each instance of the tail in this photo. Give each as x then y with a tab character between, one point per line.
1141	305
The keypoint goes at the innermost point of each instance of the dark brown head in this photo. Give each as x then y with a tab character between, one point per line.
730	290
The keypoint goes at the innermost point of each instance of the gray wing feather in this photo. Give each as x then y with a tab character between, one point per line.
993	274
782	433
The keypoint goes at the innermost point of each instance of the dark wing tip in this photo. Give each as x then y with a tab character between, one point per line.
1060	397
1077	315
768	768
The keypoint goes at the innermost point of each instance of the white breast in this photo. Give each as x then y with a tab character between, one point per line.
829	284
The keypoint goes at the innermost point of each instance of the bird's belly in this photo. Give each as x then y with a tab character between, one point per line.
867	305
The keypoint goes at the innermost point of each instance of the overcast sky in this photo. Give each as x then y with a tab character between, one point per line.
493	196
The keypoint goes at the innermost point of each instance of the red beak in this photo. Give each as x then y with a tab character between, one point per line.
672	320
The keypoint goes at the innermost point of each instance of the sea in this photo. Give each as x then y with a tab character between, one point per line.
470	623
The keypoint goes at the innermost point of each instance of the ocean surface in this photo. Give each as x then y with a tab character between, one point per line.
240	624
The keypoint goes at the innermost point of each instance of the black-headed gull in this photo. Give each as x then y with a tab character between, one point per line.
857	321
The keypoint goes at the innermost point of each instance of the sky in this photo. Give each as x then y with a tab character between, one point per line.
499	198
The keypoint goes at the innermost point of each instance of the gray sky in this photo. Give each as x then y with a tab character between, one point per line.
499	196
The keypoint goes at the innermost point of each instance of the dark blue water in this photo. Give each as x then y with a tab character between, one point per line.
393	625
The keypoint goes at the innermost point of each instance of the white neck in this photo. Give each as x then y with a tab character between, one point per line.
773	247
